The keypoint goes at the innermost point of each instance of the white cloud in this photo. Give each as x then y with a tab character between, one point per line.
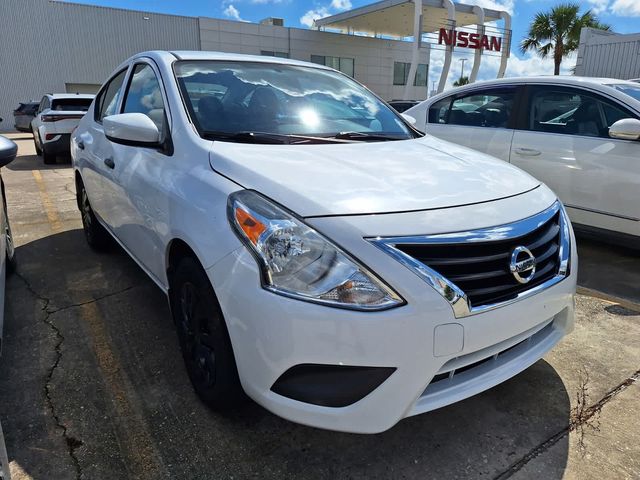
324	11
506	5
598	6
232	12
627	8
341	4
308	18
528	65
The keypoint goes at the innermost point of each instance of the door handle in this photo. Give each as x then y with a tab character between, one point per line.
81	145
528	152
110	163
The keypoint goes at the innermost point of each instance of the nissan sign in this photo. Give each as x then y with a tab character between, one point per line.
469	40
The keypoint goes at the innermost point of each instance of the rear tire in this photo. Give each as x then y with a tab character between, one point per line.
97	237
48	158
204	338
35	142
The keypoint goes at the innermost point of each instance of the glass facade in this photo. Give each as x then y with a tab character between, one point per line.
401	74
344	65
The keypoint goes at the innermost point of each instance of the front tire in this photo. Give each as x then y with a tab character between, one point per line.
97	237
204	338
10	250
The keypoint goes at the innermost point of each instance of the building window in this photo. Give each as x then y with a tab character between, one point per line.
345	65
401	74
269	53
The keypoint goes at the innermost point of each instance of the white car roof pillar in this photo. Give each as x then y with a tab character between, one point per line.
477	57
506	50
451	9
415	55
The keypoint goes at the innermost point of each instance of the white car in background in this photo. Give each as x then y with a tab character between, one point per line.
57	115
320	254
580	136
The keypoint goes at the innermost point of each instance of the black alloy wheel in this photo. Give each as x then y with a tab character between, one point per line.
97	237
204	339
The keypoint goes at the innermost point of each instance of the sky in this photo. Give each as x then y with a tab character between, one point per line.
622	15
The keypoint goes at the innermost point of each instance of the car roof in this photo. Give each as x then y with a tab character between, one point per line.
550	79
57	96
163	56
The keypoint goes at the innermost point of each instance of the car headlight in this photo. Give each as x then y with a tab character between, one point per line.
297	261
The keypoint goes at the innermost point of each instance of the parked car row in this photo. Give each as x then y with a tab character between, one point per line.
8	150
578	135
325	257
320	254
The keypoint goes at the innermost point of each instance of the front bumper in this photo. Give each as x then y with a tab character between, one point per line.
422	340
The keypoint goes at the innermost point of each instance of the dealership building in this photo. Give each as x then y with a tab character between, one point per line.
608	54
56	47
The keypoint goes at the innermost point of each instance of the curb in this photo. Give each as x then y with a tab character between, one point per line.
628	304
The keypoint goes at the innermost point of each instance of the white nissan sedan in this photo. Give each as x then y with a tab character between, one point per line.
579	135
318	253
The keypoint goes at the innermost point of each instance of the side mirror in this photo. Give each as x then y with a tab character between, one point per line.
8	151
409	118
625	129
132	129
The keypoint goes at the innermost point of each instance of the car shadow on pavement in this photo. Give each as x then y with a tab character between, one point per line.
34	162
608	268
92	382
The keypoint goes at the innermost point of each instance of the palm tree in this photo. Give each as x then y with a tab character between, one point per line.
558	32
461	81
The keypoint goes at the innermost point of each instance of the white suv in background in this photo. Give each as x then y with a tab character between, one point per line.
580	136
318	253
57	115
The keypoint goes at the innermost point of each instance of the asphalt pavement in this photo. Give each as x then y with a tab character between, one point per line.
92	383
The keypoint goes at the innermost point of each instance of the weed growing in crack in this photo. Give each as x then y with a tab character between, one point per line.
583	416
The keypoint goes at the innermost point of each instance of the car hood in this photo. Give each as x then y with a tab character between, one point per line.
367	178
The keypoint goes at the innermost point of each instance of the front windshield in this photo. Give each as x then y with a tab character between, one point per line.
232	98
631	90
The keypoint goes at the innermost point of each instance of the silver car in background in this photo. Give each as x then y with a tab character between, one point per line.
23	115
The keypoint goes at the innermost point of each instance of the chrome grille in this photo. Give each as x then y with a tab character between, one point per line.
472	270
481	270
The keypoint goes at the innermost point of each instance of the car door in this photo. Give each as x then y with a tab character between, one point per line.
480	119
134	186
98	151
564	141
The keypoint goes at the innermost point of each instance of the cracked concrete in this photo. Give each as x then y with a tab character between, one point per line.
98	334
72	442
579	419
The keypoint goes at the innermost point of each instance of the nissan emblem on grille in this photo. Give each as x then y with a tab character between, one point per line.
522	265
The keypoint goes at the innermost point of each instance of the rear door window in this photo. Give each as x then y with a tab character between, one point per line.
487	108
439	111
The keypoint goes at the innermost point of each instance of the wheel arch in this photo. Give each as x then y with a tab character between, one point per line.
176	250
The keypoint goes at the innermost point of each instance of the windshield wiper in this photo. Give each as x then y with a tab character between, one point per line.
267	137
365	137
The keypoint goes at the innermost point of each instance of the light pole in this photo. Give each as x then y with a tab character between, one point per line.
462	69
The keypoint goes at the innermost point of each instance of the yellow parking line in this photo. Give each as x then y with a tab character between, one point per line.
50	210
143	460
